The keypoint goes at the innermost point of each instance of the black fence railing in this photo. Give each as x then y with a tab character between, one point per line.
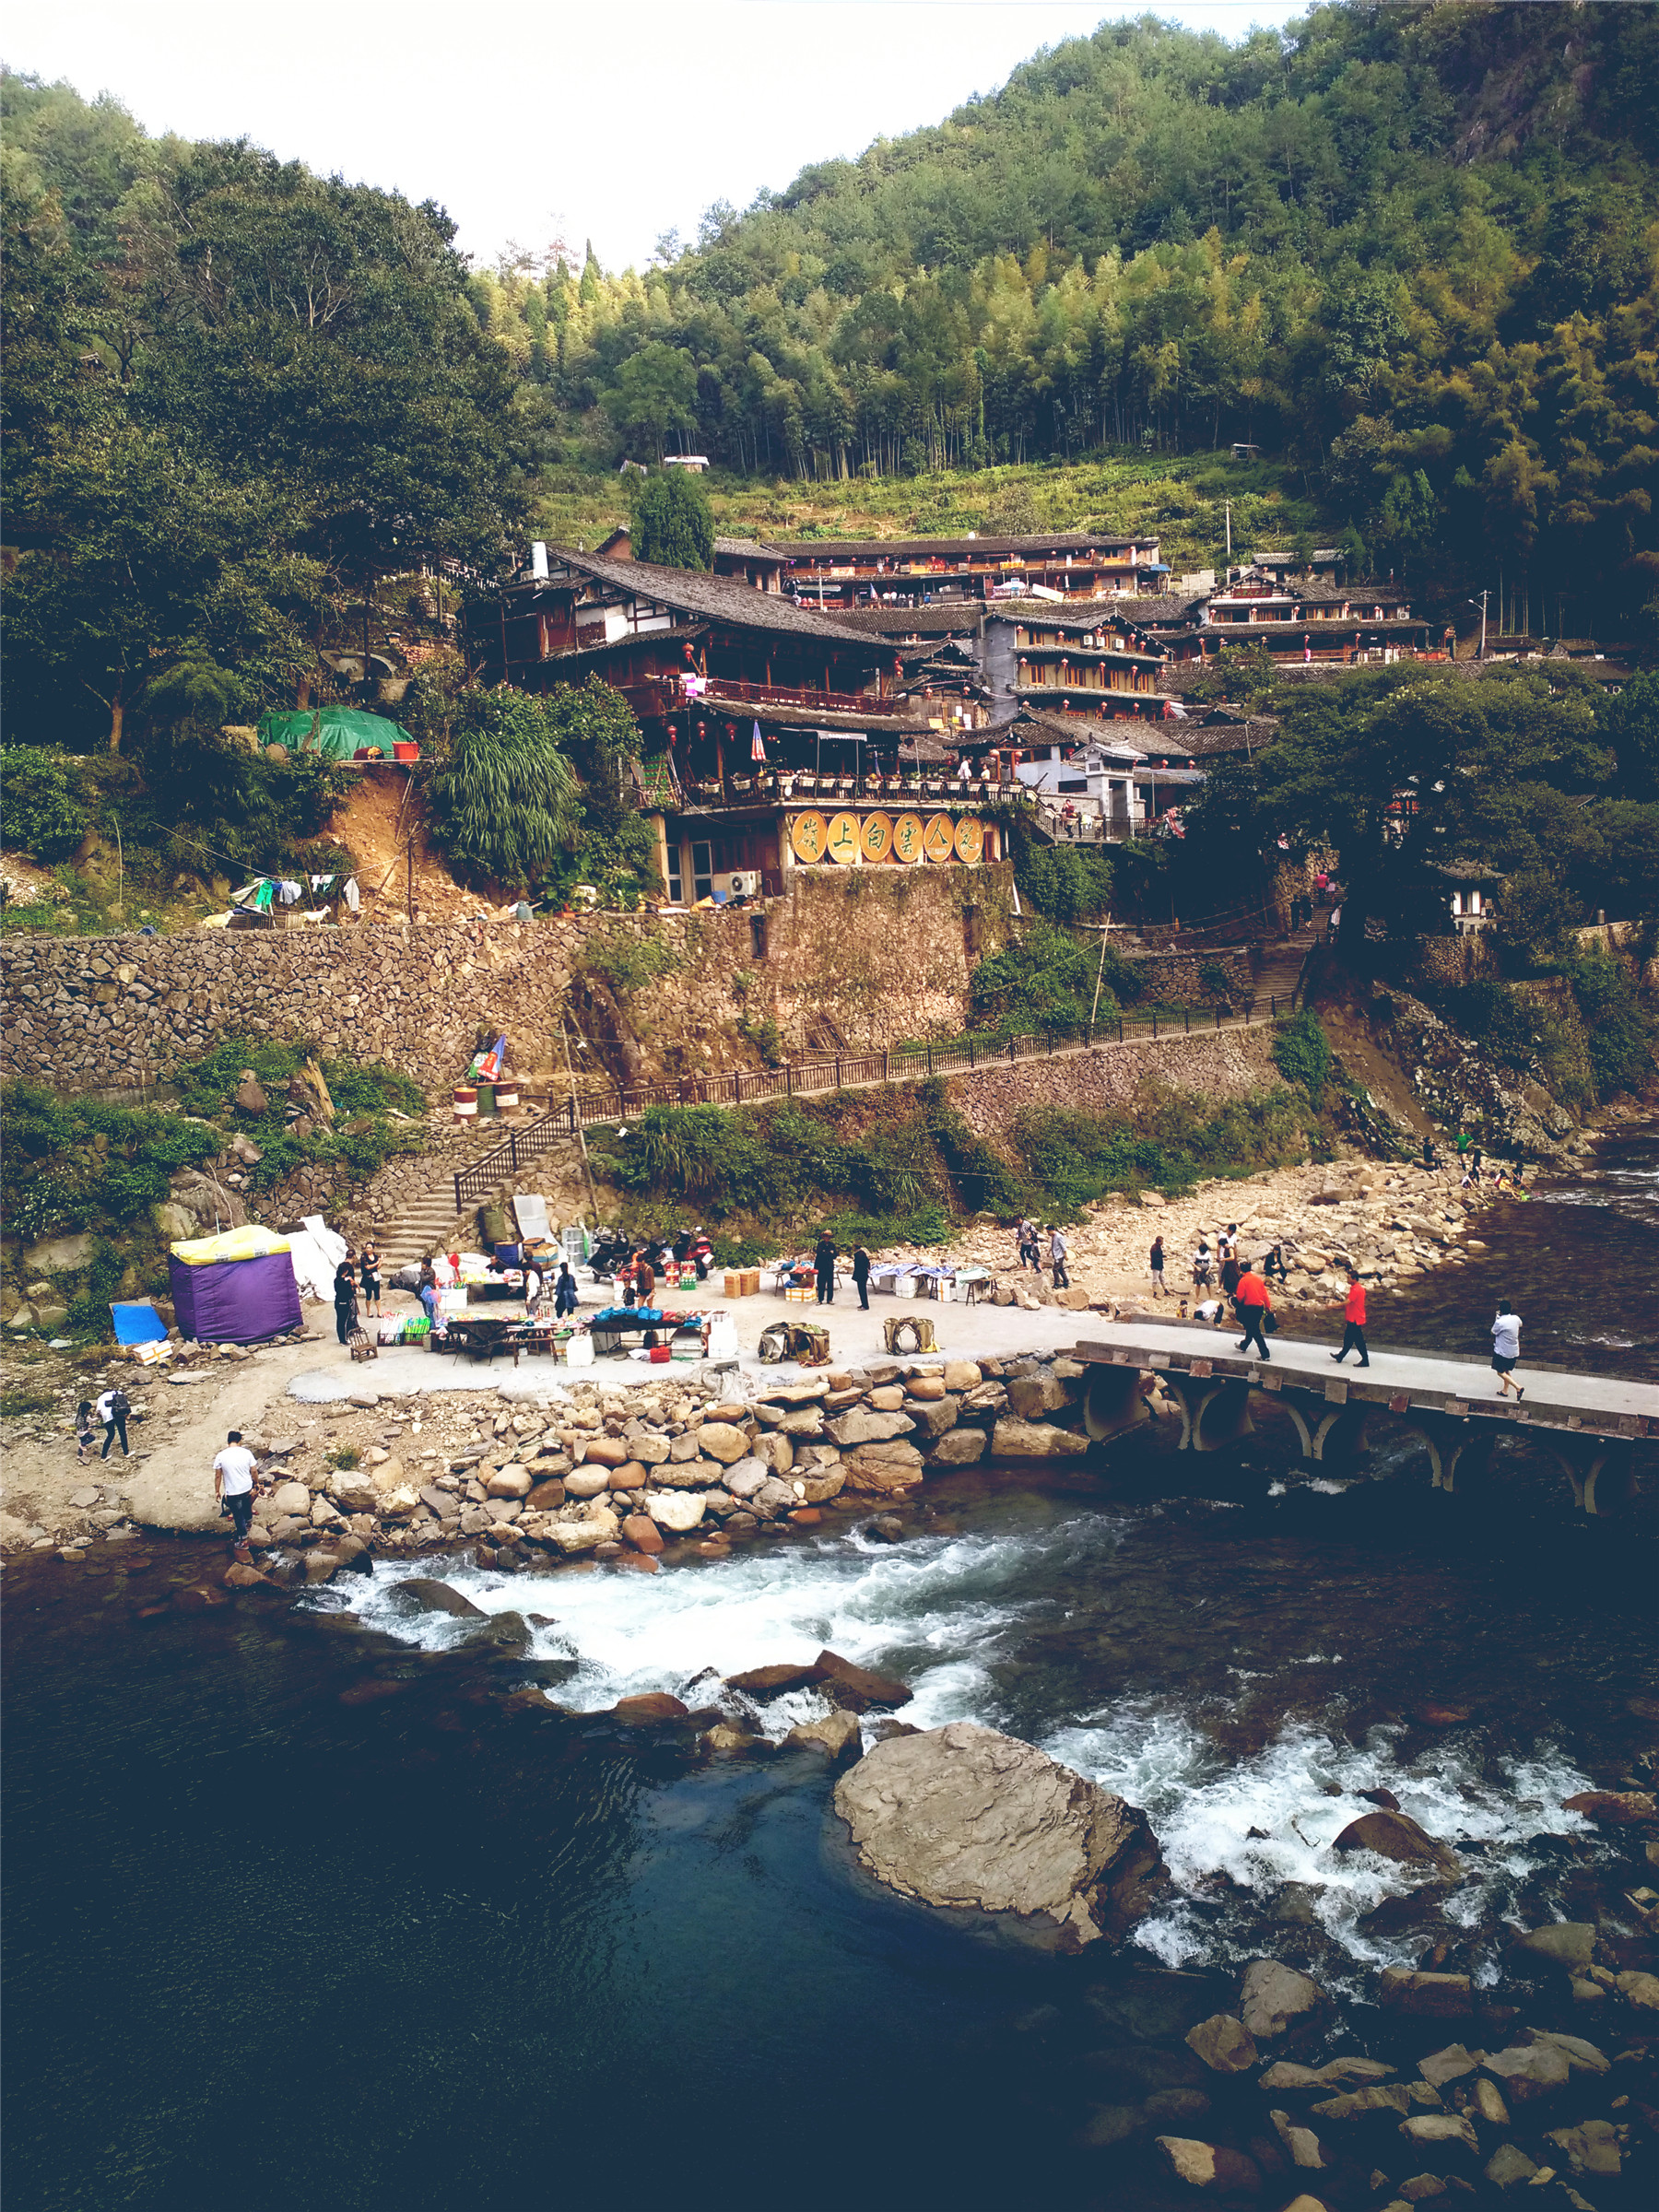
844	1071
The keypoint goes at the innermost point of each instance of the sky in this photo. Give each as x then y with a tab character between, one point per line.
567	120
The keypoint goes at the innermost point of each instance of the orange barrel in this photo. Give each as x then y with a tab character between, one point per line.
466	1103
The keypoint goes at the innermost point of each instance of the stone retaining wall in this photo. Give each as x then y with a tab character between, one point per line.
877	965
1226	1065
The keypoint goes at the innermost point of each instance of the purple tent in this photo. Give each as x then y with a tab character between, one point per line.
235	1301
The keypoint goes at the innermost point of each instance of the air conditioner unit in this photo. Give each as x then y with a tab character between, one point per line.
745	883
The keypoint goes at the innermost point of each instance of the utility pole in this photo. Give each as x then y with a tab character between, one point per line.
1099	972
1227	511
1481	604
576	1117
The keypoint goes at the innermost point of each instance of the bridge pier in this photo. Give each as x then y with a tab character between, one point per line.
1113	1403
1215	1410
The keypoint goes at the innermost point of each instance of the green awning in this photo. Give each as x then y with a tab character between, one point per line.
337	732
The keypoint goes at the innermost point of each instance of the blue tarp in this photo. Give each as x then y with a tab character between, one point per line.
138	1324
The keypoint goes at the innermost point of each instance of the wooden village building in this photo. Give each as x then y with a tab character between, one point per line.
921	571
773	736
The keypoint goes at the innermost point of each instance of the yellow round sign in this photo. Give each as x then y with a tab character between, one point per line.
876	836
907	839
969	839
808	835
843	839
940	839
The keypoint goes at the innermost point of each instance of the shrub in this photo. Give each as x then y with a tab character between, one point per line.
1619	1033
39	811
1215	983
1301	1053
504	803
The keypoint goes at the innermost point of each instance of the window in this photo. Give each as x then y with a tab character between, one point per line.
757	936
676	893
702	871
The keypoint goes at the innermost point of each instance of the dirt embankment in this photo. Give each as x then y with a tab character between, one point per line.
380	818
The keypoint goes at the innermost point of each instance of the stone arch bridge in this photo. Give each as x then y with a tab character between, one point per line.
1592	1424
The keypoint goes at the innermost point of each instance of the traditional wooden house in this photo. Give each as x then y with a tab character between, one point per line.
744	559
921	571
1360	622
754	713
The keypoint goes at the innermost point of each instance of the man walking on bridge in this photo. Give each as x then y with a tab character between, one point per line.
1254	1302
1353	1322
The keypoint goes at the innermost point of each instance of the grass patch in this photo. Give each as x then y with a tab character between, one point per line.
1168	1144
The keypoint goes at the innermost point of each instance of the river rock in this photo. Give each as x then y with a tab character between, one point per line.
1591	2147
675	1510
1030	1396
962	1374
818	1489
1274	2000
1530	2071
606	1452
573	1536
1440	2127
1223	2043
959	1448
1449	2064
1302	2147
1639	1990
1397	1836
724	1441
864	1427
546	1498
1034	1440
1355	2105
1210	2166
869	1477
585	1481
1285	2073
1567	1945
1614	1808
288	1497
1508	2166
857	1688
1425	1996
651	1450
936	1417
510	1481
655	1705
249	1093
642	1532
773	1681
964	1816
351	1491
836	1733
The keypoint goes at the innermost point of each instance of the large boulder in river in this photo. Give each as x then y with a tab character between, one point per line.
433	1596
963	1816
1397	1836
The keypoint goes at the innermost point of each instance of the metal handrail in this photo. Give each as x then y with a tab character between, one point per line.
845	1071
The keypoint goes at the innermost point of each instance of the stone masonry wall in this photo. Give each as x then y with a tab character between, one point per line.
876	965
1227	1063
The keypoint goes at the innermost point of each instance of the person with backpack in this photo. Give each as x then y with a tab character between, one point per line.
346	1297
112	1410
1353	1322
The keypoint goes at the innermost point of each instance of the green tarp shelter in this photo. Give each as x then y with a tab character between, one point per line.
337	732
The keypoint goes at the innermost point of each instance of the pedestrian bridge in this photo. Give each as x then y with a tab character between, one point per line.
1594	1425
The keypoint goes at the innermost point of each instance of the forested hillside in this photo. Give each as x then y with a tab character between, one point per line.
1414	248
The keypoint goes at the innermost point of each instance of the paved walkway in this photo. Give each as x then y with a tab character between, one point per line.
1554	1398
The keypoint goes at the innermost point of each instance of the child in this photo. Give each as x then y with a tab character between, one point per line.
86	1435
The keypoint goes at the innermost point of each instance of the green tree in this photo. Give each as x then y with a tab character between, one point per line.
673	522
505	802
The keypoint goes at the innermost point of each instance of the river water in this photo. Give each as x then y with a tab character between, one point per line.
298	1914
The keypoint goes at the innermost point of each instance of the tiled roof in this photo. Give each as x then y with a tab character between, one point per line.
926	549
749	546
714	598
905	621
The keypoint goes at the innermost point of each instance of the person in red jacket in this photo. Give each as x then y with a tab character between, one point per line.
1252	1302
1353	1323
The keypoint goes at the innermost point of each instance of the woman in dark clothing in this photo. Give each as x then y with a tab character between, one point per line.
824	1267
344	1302
1275	1264
860	1275
1156	1259
564	1291
369	1271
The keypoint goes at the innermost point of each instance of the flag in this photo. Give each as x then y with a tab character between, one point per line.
757	747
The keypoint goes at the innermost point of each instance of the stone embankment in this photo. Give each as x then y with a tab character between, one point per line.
623	1475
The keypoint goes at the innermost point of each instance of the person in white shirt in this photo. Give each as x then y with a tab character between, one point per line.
112	1410
1506	1348
233	1485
